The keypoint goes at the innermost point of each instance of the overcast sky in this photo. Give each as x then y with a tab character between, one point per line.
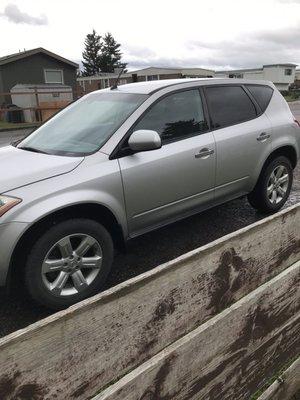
216	34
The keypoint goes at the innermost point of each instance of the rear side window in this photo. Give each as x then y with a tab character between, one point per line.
176	116
262	95
229	105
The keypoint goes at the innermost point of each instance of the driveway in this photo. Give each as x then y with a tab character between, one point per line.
154	248
295	108
7	137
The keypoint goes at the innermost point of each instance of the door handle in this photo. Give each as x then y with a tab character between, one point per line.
204	153
263	137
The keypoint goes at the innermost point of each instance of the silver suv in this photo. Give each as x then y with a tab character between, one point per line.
123	161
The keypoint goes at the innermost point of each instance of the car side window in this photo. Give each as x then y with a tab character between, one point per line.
262	95
229	105
176	116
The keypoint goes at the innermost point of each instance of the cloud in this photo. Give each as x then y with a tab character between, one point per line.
289	1
252	50
248	50
139	63
141	57
15	15
138	51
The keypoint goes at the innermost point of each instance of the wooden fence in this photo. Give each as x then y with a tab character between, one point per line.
287	386
41	111
215	323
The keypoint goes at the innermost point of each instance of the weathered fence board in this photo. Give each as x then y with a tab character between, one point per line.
287	387
226	357
74	353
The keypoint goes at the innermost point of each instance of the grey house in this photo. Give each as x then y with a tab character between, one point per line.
36	66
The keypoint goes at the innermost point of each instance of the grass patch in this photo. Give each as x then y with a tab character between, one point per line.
290	98
274	378
291	95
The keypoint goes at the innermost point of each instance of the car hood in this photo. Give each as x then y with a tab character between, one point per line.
22	167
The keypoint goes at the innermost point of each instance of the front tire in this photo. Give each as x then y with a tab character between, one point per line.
69	263
273	187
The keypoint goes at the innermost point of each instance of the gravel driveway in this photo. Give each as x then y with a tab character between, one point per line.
154	248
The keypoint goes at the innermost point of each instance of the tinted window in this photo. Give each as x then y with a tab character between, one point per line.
262	95
176	116
229	105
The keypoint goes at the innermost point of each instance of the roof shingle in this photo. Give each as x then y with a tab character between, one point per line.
17	56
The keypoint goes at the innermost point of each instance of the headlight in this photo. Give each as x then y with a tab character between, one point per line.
6	203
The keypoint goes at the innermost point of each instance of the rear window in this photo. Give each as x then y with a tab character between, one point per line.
262	95
229	105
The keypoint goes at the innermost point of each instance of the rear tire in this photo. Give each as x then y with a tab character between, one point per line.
69	263
273	187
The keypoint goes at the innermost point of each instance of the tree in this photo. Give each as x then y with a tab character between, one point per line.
91	54
110	57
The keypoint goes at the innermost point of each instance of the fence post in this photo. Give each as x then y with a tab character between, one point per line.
38	113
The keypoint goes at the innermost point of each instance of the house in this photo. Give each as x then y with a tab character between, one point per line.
104	80
282	75
37	66
297	79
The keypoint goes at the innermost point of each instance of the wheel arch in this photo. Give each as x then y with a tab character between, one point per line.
94	211
288	151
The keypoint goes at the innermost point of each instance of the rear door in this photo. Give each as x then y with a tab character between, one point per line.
177	179
243	136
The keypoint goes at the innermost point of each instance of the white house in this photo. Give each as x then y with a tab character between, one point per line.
104	80
282	75
297	78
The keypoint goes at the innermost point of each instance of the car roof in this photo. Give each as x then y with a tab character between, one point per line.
154	86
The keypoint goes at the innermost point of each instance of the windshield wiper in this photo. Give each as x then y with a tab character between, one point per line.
33	149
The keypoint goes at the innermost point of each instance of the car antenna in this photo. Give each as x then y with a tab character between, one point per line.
115	85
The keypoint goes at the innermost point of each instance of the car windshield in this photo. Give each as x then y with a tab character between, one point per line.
84	126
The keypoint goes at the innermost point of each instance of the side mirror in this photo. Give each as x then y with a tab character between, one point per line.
144	140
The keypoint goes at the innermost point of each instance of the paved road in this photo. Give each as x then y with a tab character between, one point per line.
153	249
295	108
9	136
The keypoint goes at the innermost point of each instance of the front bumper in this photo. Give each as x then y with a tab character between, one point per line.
10	233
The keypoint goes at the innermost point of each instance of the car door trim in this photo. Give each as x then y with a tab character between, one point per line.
172	203
232	182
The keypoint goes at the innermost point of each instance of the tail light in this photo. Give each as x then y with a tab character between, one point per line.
297	122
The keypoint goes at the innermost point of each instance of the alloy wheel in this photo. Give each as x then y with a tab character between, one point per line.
72	264
278	184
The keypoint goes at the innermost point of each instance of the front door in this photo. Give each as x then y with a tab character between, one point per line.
168	183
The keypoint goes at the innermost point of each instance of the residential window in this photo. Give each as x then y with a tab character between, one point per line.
288	71
236	76
229	105
54	76
152	77
176	116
